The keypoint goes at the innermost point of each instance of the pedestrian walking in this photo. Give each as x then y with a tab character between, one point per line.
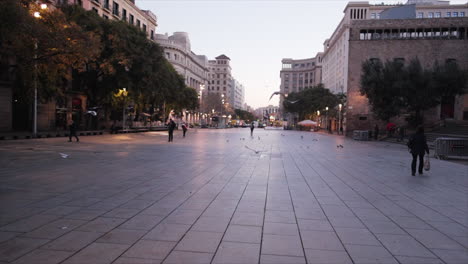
417	146
184	129
72	128
252	126
376	132
171	128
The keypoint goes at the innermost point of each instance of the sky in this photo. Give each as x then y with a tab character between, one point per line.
255	34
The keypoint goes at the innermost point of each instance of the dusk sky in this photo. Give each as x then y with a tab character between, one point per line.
255	34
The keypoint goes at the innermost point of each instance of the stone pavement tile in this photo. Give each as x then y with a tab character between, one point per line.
280	229
357	236
55	229
97	253
410	222
62	210
183	257
251	207
383	227
241	253
200	242
16	247
4	236
337	211
142	222
351	222
310	213
252	219
404	245
122	236
187	217
369	214
358	204
452	256
245	234
329	200
122	213
43	256
73	241
280	217
434	239
282	245
417	260
370	254
86	214
157	210
137	204
101	224
450	228
280	206
315	256
125	260
167	232
211	224
150	249
461	239
85	201
274	259
29	223
321	240
196	204
317	225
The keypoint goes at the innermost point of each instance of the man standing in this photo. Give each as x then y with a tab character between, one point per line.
252	126
72	133
418	145
184	129
171	128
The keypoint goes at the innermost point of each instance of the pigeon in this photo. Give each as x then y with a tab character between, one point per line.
302	137
93	113
275	93
63	155
227	140
256	151
339	146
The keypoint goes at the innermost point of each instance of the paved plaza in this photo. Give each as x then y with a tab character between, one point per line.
220	196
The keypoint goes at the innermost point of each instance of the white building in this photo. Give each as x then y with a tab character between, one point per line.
191	66
220	78
237	95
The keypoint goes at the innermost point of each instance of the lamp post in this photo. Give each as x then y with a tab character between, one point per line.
339	118
326	118
36	15
318	117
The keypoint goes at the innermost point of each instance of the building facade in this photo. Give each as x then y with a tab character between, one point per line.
220	77
193	67
125	10
237	95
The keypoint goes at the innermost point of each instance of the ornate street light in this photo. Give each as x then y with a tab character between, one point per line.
339	118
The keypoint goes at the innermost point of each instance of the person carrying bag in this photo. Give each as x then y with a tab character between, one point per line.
417	146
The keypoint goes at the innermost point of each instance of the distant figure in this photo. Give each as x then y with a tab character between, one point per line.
418	145
184	128
72	133
390	129
376	132
171	128
251	129
401	134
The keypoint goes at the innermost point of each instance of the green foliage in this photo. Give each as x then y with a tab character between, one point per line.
243	115
306	102
395	88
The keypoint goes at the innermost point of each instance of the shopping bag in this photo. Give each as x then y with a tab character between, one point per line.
427	164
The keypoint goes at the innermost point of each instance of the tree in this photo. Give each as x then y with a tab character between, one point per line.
243	115
395	88
306	102
211	101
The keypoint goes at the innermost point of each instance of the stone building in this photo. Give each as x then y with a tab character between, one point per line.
427	39
237	95
193	67
220	77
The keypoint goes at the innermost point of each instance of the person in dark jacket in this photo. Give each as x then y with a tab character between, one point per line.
252	126
418	145
376	132
72	133
184	128
171	128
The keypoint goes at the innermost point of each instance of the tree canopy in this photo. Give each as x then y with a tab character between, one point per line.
394	88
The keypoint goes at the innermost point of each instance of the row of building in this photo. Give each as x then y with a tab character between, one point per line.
201	74
430	30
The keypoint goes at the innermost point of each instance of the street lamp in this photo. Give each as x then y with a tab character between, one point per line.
36	15
326	118
339	118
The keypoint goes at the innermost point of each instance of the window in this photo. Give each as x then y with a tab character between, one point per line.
286	75
105	17
175	56
217	76
124	14
224	88
131	19
138	23
144	27
448	14
224	82
152	35
455	14
224	75
217	82
106	4
420	15
115	9
217	88
462	14
378	15
212	82
431	15
438	14
373	16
